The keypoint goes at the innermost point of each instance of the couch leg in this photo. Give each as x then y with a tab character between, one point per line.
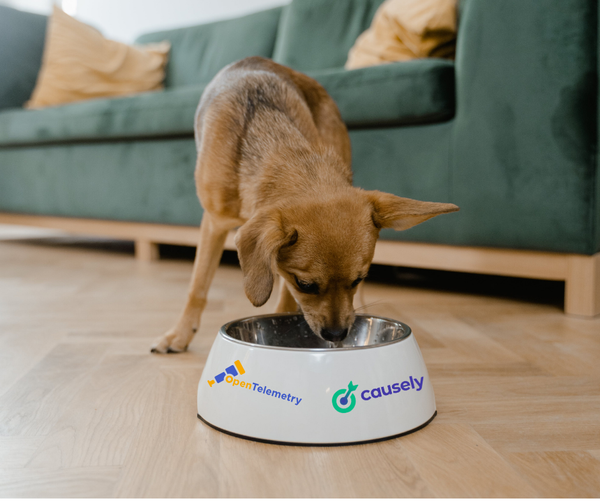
146	251
582	286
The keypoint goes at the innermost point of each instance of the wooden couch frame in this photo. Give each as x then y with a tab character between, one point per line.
581	273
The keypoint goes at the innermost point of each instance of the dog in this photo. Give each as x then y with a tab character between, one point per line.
274	160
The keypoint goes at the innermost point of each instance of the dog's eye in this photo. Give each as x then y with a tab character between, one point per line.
305	287
356	282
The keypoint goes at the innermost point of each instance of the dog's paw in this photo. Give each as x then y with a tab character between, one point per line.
168	343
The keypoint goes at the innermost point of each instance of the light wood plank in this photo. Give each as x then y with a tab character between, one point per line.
519	387
176	433
349	472
97	482
498	410
85	410
552	349
15	452
533	435
146	250
20	350
442	451
475	371
582	289
158	233
504	262
563	474
466	340
110	405
33	404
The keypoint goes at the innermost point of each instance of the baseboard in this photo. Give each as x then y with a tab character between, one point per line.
580	272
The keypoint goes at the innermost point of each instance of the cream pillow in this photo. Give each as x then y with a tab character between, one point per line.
407	29
80	64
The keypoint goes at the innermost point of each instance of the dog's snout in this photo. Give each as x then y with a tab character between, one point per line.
334	334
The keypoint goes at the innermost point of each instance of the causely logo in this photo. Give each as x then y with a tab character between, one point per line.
344	400
347	401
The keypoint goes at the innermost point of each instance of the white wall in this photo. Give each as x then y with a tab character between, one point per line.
124	20
37	6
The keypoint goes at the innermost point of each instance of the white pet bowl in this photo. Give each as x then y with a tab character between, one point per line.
269	378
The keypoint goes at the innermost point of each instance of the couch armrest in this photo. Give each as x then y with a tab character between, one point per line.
525	138
411	92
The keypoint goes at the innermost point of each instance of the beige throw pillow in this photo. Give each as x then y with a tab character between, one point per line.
80	64
407	29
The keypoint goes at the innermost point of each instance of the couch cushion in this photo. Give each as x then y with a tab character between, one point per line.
22	37
199	52
411	92
419	91
162	113
407	29
79	64
317	34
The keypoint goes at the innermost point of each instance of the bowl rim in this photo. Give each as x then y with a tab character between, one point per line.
223	333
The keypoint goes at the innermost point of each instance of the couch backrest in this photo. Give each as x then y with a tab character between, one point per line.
199	52
317	34
22	37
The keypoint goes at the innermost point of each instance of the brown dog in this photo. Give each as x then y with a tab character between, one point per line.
274	158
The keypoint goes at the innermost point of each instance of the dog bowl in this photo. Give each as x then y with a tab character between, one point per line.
269	378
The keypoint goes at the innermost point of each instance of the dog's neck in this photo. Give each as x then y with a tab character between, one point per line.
299	172
297	169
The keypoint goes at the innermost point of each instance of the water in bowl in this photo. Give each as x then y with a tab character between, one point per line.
292	331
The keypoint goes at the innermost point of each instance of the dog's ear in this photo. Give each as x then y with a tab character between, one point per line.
258	242
401	213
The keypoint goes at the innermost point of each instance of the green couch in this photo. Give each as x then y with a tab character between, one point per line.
509	131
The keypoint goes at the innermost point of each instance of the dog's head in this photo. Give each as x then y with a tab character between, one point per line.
323	250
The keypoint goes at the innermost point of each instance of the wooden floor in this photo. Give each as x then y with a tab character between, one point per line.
86	410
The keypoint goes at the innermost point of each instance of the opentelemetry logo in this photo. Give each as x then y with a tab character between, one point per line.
230	374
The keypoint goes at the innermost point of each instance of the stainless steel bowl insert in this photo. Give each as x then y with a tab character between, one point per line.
291	331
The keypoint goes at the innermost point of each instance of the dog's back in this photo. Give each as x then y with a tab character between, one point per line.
254	115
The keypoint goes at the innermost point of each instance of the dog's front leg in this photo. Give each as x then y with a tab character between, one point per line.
286	302
208	255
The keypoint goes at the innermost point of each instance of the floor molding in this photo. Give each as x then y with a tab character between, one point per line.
581	273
